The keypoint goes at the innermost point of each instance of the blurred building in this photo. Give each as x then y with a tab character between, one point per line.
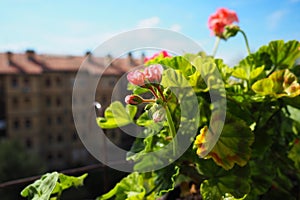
36	102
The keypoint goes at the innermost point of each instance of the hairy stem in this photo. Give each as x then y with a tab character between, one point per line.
172	128
216	46
246	41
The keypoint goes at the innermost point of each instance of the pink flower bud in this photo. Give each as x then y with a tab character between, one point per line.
136	77
159	115
133	99
223	17
153	73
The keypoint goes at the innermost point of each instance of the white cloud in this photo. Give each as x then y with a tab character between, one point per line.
175	27
149	22
294	1
274	19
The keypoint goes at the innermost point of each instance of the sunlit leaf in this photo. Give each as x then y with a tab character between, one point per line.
117	115
51	184
129	188
256	72
41	189
282	54
279	84
233	146
65	182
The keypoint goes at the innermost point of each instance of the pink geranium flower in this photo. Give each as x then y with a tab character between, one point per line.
153	73
223	17
136	77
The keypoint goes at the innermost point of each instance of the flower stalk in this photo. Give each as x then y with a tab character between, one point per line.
246	41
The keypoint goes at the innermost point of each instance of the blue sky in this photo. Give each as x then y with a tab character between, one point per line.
73	27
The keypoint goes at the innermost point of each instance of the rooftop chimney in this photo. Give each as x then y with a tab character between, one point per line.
30	54
143	56
9	55
109	59
88	54
131	60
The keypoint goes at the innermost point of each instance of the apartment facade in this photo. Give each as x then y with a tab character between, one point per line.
36	102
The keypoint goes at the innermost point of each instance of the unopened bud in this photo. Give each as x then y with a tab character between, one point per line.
133	99
230	31
159	115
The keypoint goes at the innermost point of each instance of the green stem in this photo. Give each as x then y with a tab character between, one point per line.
153	92
216	46
161	94
172	128
246	41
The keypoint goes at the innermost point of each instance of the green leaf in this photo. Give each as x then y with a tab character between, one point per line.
176	62
262	176
210	75
242	73
41	189
232	147
279	84
174	78
117	115
65	182
294	154
264	87
221	183
129	188
144	120
283	54
225	70
256	72
166	178
51	184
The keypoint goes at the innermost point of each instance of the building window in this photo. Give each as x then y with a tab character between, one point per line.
60	138
15	102
28	143
48	82
28	123
58	102
50	138
49	156
14	82
58	120
60	155
26	82
49	120
111	82
58	81
16	124
48	101
27	100
74	137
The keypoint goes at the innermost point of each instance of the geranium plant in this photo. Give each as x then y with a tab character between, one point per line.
256	155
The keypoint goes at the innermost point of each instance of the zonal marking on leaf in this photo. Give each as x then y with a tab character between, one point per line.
279	84
233	146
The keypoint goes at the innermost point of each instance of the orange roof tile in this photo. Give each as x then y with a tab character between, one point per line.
19	63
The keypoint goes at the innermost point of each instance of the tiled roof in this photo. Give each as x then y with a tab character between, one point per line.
11	63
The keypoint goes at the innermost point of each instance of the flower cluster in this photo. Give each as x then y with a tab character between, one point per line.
149	79
219	20
151	74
